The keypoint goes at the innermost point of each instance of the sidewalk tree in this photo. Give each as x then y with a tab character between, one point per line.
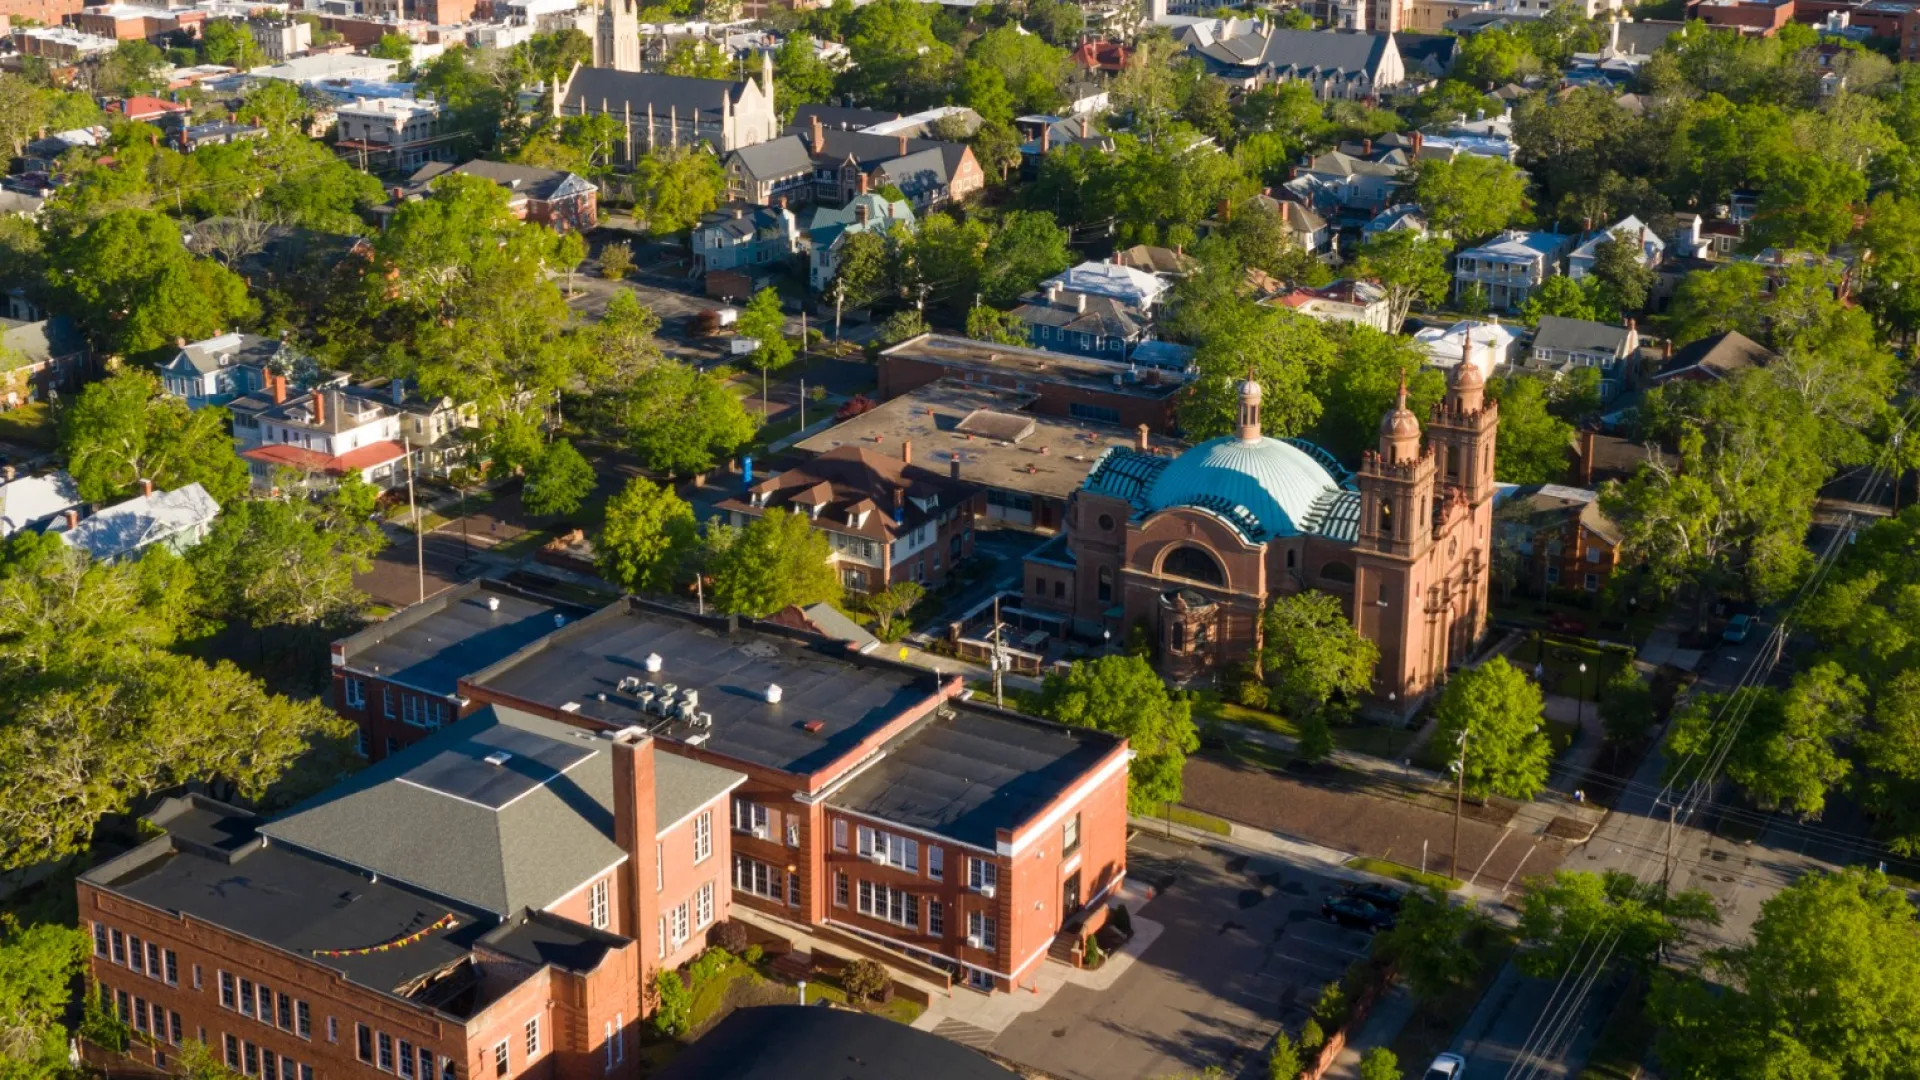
1563	912
1315	663
1123	695
1627	707
999	327
891	605
1379	1063
616	261
1431	944
766	324
38	966
649	535
569	252
122	430
777	560
681	421
558	482
1500	712
1828	986
1283	1061
1410	267
1786	753
1028	247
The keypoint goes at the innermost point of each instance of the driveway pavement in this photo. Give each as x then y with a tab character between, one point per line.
1241	949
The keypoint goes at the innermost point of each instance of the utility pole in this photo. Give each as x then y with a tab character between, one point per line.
1459	804
999	660
803	404
419	539
839	297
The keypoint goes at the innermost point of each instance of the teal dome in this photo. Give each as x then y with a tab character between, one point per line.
1274	482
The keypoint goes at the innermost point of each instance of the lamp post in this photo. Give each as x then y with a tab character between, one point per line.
1459	804
1580	701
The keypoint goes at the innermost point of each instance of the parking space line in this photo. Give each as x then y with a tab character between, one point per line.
1504	833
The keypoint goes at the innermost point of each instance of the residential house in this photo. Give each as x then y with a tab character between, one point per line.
490	903
1347	65
175	520
147	110
673	110
437	430
778	169
1406	217
1341	184
887	519
1762	18
60	44
1554	537
1048	134
1560	345
1167	263
1138	289
194	136
830	166
881	811
1488	344
830	228
1087	389
136	22
40	359
1713	358
321	435
34	502
961	121
219	369
1081	323
556	198
323	68
753	240
403	133
1629	230
1348	301
1103	58
281	39
1510	266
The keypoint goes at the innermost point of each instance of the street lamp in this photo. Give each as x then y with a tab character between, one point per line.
1580	701
1459	803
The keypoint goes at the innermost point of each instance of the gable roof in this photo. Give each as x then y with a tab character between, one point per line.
30	500
535	183
590	87
227	350
774	159
1718	356
1580	335
1544	506
847	481
1302	50
143	520
505	837
48	339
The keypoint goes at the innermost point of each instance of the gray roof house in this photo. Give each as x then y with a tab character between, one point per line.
674	110
746	238
778	169
1560	345
831	226
1337	64
504	810
219	369
29	502
177	519
36	357
1082	323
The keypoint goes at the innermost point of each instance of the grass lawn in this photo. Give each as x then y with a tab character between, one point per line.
1026	701
1412	875
31	425
1379	740
1562	660
897	1008
1194	819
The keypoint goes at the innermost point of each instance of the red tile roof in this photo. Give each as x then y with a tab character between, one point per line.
372	454
144	108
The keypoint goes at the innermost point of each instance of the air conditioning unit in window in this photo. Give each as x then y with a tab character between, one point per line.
987	890
759	832
973	940
879	856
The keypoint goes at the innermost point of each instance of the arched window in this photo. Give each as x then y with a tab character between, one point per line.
1194	564
1386	517
1337	571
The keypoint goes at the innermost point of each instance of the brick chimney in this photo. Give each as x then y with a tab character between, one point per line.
320	408
1419	140
146	486
7	473
180	342
277	386
634	826
1142	440
860	210
903	146
1046	138
1366	148
953	467
73	519
818	135
1586	458
863	183
1086	126
906	451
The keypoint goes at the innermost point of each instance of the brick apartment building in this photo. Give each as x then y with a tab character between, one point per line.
887	519
134	22
1082	388
1762	17
877	803
487	905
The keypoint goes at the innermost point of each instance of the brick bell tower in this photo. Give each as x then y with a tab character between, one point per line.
1462	430
1396	534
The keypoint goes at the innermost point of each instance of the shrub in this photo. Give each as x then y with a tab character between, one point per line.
709	965
1312	1037
1331	1009
731	936
1284	1062
752	954
864	979
1379	1063
675	1008
616	261
1090	956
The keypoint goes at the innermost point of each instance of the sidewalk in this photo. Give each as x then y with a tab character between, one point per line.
1379	1029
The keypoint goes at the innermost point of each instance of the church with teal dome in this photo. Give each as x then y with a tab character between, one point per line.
1192	546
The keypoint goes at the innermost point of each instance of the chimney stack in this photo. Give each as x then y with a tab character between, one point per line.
818	136
1142	440
1366	148
906	451
860	210
953	466
1046	139
634	825
180	342
863	183
1086	126
277	385
1080	302
73	519
146	486
1586	458
1419	140
903	146
320	408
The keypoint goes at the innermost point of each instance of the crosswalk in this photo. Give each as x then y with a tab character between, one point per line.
965	1034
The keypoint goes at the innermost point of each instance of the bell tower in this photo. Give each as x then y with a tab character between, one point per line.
616	37
1463	429
1396	484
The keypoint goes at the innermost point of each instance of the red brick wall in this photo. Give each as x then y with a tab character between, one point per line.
50	12
1041	869
372	715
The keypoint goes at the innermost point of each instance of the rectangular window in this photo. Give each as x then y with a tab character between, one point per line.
173	968
597	904
678	927
703	905
500	1059
287	1069
386	1052
447	1069
333	1030
754	876
285	1014
306	1071
139	1014
793	831
176	1029
982	876
252	1067
126	1006
100	947
426	1064
246	997
533	1038
136	954
936	919
355	692
119	948
233	1052
749	817
793	890
363	1040
1070	836
406	1059
659	867
839	834
840	888
266	1005
196	976
226	989
660	935
156	966
386	700
269	1065
302	1020
703	836
936	863
981	930
894	905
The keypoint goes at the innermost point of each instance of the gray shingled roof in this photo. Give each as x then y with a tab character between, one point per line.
1579	335
592	86
775	159
396	818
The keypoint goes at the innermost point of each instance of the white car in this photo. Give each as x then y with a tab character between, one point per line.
1447	1067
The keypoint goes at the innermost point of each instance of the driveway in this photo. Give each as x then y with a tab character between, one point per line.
1243	950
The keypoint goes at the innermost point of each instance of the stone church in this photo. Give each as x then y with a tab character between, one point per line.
1193	546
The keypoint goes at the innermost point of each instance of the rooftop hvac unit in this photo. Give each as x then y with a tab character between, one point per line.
571	706
653	661
773	693
629	684
645	698
705	721
698	740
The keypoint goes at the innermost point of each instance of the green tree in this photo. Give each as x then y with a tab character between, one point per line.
1617	265
897	59
777	561
1288	355
994	325
680	421
227	42
1358	390
1470	197
130	282
1314	661
122	430
1057	21
868	269
1892	233
650	533
392	46
696	59
891	605
672	188
1496	714
38	965
1379	1063
1123	695
1283	1061
1431	945
1493	57
133	67
1533	446
1808	203
616	261
570	252
673	1003
1564	912
1410	267
1786	751
1828	987
800	77
1148	89
1564	297
559	482
1716	301
1027	248
766	324
1031	69
1627	707
288	562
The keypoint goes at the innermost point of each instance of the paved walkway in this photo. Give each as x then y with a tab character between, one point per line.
1382	1025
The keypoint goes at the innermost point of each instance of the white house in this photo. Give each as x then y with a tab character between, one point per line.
1488	344
1510	266
1136	288
1349	301
1629	230
324	434
30	502
176	519
405	131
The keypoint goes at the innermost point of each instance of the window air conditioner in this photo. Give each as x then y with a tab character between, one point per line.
759	832
879	856
987	890
973	940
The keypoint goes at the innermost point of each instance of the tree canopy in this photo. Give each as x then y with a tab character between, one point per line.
1495	712
1123	695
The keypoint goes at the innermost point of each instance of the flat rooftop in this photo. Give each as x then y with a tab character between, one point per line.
1039	365
967	771
949	418
830	699
430	646
293	901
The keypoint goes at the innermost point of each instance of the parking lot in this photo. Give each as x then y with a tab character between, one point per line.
1244	950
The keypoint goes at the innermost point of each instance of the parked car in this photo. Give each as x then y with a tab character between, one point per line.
1562	623
1447	1067
1355	914
1384	897
1738	628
